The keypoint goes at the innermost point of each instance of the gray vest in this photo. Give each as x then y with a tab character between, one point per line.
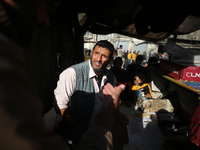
83	99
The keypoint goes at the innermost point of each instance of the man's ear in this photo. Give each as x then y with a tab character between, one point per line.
111	59
113	55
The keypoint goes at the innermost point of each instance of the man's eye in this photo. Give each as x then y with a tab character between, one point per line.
105	56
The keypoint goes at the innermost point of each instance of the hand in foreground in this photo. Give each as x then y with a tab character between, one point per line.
111	99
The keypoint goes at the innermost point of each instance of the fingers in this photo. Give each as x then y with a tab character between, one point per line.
111	99
112	93
119	89
108	89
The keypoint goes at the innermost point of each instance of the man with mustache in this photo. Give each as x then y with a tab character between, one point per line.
80	87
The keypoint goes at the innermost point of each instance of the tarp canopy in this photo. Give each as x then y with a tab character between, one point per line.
150	20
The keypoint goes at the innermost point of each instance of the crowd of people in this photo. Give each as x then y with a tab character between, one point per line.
129	57
134	76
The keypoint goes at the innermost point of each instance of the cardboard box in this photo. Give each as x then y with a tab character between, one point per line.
181	72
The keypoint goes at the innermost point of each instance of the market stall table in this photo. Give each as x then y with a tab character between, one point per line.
143	133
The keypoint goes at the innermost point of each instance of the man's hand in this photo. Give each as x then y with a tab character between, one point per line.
111	99
111	102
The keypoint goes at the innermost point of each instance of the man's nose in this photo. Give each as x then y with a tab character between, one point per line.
99	57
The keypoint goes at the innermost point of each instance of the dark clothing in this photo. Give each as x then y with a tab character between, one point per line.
116	52
195	127
132	69
120	75
125	56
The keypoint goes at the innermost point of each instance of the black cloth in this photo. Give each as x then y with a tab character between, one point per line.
133	69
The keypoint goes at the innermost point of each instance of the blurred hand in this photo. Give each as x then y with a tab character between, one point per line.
110	102
111	99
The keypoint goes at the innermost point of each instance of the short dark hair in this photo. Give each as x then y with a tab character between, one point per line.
140	70
105	44
117	59
152	60
139	58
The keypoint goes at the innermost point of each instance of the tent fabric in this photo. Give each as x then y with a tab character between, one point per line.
147	20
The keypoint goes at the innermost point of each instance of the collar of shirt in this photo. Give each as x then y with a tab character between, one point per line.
91	73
